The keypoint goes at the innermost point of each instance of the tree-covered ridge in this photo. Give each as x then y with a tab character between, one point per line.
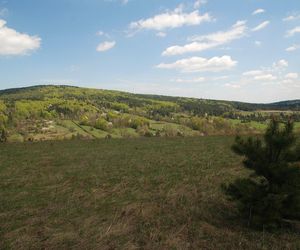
65	112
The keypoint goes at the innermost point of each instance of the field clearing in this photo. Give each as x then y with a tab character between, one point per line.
146	193
261	126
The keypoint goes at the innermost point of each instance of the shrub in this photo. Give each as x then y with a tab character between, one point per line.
272	193
101	124
84	120
170	131
136	122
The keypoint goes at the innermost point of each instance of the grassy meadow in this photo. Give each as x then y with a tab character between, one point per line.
146	193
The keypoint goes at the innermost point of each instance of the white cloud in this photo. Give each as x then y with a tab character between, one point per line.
14	43
291	79
171	19
161	34
281	64
270	74
194	80
261	26
291	18
258	11
200	43
200	64
293	31
235	32
259	75
188	48
292	48
199	3
291	76
265	77
105	46
253	73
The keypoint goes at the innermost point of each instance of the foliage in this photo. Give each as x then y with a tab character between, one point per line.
272	192
21	109
102	124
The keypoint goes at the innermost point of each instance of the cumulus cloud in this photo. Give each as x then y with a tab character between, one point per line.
258	11
200	64
105	46
171	19
200	43
293	31
13	42
261	26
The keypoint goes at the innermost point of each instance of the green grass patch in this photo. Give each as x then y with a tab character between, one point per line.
150	193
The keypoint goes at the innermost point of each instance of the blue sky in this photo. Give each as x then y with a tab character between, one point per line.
244	50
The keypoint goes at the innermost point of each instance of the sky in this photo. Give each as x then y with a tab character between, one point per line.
247	50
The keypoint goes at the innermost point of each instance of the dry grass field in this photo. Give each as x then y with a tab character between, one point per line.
146	193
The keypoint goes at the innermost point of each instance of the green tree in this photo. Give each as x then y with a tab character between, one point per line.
271	193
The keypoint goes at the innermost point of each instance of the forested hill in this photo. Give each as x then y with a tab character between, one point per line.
64	112
110	98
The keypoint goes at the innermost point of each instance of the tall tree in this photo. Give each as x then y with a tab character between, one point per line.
272	192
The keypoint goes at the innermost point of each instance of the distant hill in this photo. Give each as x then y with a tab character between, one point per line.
219	106
58	112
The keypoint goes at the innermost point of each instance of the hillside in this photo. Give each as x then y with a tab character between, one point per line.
65	112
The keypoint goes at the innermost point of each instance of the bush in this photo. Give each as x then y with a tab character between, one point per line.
84	120
170	131
101	124
272	193
135	122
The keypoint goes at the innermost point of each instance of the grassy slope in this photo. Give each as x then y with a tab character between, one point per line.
64	105
152	193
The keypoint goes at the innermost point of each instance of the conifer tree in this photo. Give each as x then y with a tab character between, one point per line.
271	194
